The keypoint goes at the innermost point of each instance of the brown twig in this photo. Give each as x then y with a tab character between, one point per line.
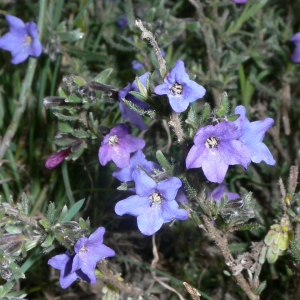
153	266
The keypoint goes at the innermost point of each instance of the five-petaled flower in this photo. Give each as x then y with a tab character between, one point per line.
154	203
21	40
117	146
217	147
127	113
88	251
295	57
180	90
252	134
56	159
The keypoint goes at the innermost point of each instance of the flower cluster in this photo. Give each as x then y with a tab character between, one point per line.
22	40
81	265
240	142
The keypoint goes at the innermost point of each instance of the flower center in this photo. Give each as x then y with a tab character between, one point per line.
28	39
83	249
176	89
113	140
211	142
155	198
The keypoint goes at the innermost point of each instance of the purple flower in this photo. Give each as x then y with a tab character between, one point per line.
21	40
154	203
240	1
252	134
180	90
127	113
138	159
295	57
181	196
82	265
122	23
63	262
215	149
117	146
89	251
219	192
56	159
136	65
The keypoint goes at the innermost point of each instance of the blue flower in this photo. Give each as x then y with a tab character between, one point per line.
219	192
136	65
138	159
180	90
117	146
82	265
122	23
295	57
89	251
217	147
154	203
63	262
127	113
252	134
21	40
240	1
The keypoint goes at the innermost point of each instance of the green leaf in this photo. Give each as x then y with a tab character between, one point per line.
51	212
251	226
233	118
7	288
205	112
223	107
78	80
141	87
71	36
162	160
64	127
48	241
73	210
261	287
103	76
295	249
139	96
16	270
63	213
81	134
73	99
64	117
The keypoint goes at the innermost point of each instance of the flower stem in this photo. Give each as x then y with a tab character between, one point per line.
23	97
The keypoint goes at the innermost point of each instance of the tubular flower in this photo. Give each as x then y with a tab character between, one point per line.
21	40
217	147
220	191
117	146
82	265
153	204
252	134
56	159
180	90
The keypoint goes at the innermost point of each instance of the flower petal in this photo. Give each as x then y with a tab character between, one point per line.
133	205
170	212
145	185
168	188
151	220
